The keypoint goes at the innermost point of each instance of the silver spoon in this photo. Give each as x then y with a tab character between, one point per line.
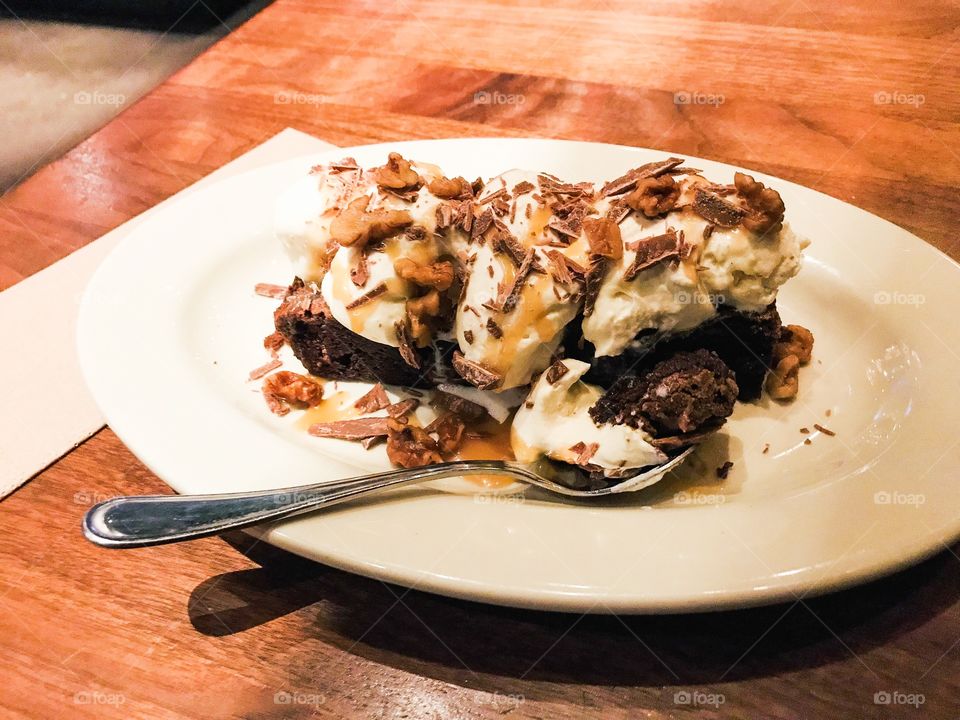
140	521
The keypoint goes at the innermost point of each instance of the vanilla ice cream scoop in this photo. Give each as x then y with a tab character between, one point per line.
555	421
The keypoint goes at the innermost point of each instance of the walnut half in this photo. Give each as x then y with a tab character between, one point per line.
764	204
286	389
396	174
654	196
355	225
410	446
793	348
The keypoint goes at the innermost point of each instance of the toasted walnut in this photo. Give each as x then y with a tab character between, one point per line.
422	311
396	174
439	275
449	188
286	389
449	429
765	205
603	235
410	446
794	340
355	225
783	381
654	196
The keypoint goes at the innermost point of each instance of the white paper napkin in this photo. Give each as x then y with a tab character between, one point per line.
46	408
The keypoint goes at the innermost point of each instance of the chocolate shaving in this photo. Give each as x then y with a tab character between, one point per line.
524	186
277	292
570	226
357	429
404	407
513	296
360	274
553	185
619	211
555	372
264	369
652	250
346	165
407	195
824	430
409	355
494	329
716	210
371	441
481	224
468	336
505	242
708	230
592	281
502	192
628	181
584	451
461	407
475	373
367	296
373	400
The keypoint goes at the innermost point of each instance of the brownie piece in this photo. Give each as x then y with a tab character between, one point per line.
744	341
329	350
688	392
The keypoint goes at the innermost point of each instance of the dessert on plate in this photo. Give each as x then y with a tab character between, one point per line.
604	325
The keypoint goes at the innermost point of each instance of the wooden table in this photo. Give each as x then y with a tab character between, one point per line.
858	100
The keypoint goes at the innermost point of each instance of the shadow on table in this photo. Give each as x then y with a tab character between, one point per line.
449	639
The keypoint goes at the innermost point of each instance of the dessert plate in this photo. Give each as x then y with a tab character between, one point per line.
170	327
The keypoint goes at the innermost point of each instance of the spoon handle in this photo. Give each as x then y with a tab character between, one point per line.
141	521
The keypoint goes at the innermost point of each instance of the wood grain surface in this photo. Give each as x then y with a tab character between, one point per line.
858	100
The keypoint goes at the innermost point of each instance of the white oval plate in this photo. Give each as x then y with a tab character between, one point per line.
170	327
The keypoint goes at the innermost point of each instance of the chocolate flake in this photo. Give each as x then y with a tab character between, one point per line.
652	250
373	400
264	369
481	224
593	280
277	292
524	186
555	372
404	407
468	336
409	355
475	373
513	296
367	296
716	210
494	329
357	429
724	470
628	181
502	192
360	274
825	431
584	452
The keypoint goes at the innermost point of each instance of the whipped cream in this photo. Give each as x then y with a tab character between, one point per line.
555	421
515	337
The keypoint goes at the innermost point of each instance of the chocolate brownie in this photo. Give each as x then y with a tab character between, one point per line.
744	341
689	391
331	351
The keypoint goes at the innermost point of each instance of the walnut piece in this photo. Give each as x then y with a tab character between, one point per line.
765	205
410	446
603	236
794	347
355	225
422	311
396	174
783	381
450	188
438	275
794	340
286	389
654	196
